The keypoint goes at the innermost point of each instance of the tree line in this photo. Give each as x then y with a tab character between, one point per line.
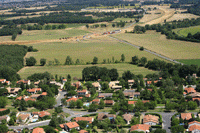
12	60
168	27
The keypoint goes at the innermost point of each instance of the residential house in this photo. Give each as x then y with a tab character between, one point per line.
113	83
38	130
109	102
37	83
186	116
102	116
2	109
13	90
88	119
133	102
131	95
130	83
3	81
116	87
96	101
140	128
77	84
127	118
193	123
8	82
26	82
64	81
97	85
151	120
88	95
105	95
189	90
194	129
71	125
35	96
82	92
41	114
26	98
33	90
23	117
5	117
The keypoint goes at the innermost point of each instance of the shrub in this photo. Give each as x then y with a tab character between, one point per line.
141	48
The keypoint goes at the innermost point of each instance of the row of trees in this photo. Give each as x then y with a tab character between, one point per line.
168	27
42	27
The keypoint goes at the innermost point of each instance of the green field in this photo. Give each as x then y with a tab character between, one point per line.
102	48
158	43
76	70
185	31
191	61
49	34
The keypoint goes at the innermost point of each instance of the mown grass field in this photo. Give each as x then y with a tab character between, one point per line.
76	70
101	47
185	31
189	62
158	43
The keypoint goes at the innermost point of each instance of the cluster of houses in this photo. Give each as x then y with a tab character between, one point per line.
25	117
148	121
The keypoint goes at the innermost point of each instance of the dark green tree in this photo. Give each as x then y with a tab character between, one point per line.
42	62
68	61
95	60
31	61
122	58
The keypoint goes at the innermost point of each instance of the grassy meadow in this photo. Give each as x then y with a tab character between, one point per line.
101	47
123	19
190	61
76	70
185	31
158	43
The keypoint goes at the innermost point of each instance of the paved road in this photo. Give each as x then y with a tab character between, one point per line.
161	56
59	97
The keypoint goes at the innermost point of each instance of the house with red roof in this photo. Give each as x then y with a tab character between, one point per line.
71	125
3	81
88	119
27	82
140	128
127	118
83	131
189	90
97	85
194	129
33	90
38	130
186	116
96	101
151	119
109	102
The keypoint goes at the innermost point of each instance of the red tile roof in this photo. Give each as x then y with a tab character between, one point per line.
190	90
96	100
193	122
44	93
150	118
186	116
62	126
127	117
83	131
87	95
143	127
72	125
132	102
2	109
29	99
23	116
194	127
43	113
72	99
108	101
38	130
89	119
82	91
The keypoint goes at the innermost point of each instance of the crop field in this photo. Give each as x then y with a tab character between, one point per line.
158	43
101	47
76	70
181	16
190	61
185	31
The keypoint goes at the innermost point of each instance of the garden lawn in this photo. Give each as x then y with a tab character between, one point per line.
76	70
158	43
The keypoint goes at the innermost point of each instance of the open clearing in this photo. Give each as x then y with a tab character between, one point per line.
192	61
123	19
102	47
158	43
76	70
45	34
185	31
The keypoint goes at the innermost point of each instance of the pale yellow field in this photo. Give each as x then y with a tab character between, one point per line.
182	16
158	43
